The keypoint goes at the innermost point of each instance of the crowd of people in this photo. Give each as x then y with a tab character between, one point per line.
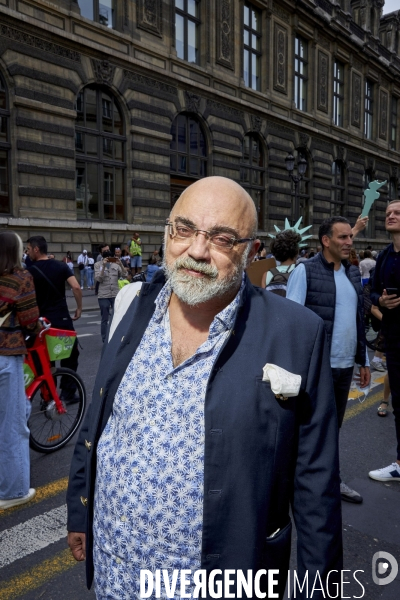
217	404
130	257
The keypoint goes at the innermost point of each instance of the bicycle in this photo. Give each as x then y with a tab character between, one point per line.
57	394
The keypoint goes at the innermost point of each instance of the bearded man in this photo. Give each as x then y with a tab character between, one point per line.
188	458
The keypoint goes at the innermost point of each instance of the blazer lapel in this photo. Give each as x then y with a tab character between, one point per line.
124	342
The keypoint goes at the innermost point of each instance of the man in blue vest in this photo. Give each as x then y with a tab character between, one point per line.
188	457
331	287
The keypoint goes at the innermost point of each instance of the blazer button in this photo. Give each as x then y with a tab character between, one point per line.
88	445
101	392
122	339
84	501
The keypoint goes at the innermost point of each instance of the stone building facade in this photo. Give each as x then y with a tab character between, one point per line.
110	108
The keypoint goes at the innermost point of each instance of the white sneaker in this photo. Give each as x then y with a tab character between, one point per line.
377	365
17	501
81	287
390	473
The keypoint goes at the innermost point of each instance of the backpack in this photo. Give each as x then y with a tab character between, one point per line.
278	283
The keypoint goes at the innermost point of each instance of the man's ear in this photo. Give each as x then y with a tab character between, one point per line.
325	241
253	252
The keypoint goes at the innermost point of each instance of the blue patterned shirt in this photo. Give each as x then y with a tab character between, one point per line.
149	489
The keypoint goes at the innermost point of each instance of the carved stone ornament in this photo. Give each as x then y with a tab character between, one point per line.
225	33
303	140
341	152
280	58
383	114
103	71
256	123
25	38
219	109
395	172
149	83
357	64
192	102
324	42
323	81
149	16
356	104
281	12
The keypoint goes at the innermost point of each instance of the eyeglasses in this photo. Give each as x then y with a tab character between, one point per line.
219	239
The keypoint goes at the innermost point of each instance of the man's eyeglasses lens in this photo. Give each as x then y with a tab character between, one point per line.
221	240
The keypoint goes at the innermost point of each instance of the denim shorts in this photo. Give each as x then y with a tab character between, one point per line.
136	261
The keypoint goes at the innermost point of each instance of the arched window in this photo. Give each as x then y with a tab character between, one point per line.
100	156
252	173
338	189
5	204
188	159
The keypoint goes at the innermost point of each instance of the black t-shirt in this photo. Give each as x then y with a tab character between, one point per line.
51	302
391	279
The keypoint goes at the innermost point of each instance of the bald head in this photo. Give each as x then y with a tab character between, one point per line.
221	199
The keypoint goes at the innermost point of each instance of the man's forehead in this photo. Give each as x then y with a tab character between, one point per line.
393	207
209	221
341	228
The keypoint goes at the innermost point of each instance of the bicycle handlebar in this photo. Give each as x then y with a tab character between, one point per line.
46	325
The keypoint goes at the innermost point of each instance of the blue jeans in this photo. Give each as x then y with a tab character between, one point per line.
86	275
341	385
90	277
105	305
14	432
392	346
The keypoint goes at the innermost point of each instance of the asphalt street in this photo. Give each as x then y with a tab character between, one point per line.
36	564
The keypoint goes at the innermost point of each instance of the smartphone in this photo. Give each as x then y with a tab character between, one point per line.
112	259
391	291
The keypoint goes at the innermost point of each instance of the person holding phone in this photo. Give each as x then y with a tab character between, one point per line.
385	294
106	273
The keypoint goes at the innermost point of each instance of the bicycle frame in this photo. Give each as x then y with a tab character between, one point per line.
39	347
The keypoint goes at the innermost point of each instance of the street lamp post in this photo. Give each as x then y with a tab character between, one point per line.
301	169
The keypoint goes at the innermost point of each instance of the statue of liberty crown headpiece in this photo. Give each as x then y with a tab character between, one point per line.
295	228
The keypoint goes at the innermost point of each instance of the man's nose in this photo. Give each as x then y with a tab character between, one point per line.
199	248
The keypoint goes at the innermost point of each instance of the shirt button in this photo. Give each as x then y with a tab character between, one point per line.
118	561
123	519
135	469
169	377
152	422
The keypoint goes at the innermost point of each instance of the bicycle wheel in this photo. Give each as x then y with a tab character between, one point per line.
371	338
50	430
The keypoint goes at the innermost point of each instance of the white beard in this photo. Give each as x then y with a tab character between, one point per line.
198	290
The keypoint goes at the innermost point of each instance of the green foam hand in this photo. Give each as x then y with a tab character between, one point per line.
371	194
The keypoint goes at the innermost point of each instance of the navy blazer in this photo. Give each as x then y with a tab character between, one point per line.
261	454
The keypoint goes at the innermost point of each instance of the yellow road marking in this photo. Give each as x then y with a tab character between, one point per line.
46	570
361	406
42	493
37	576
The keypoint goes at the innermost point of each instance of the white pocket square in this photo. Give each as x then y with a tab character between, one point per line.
283	383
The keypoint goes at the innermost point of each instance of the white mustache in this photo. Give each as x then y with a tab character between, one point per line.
186	262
